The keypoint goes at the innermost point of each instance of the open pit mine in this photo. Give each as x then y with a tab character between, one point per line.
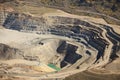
55	45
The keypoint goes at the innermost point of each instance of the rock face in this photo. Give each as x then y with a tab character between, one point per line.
19	22
7	52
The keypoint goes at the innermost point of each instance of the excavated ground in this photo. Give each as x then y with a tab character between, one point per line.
56	45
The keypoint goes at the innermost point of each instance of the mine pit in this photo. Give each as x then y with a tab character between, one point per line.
58	46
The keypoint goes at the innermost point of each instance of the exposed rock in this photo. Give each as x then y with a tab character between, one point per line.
72	44
6	52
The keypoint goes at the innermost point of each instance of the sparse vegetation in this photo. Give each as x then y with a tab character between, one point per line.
107	7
